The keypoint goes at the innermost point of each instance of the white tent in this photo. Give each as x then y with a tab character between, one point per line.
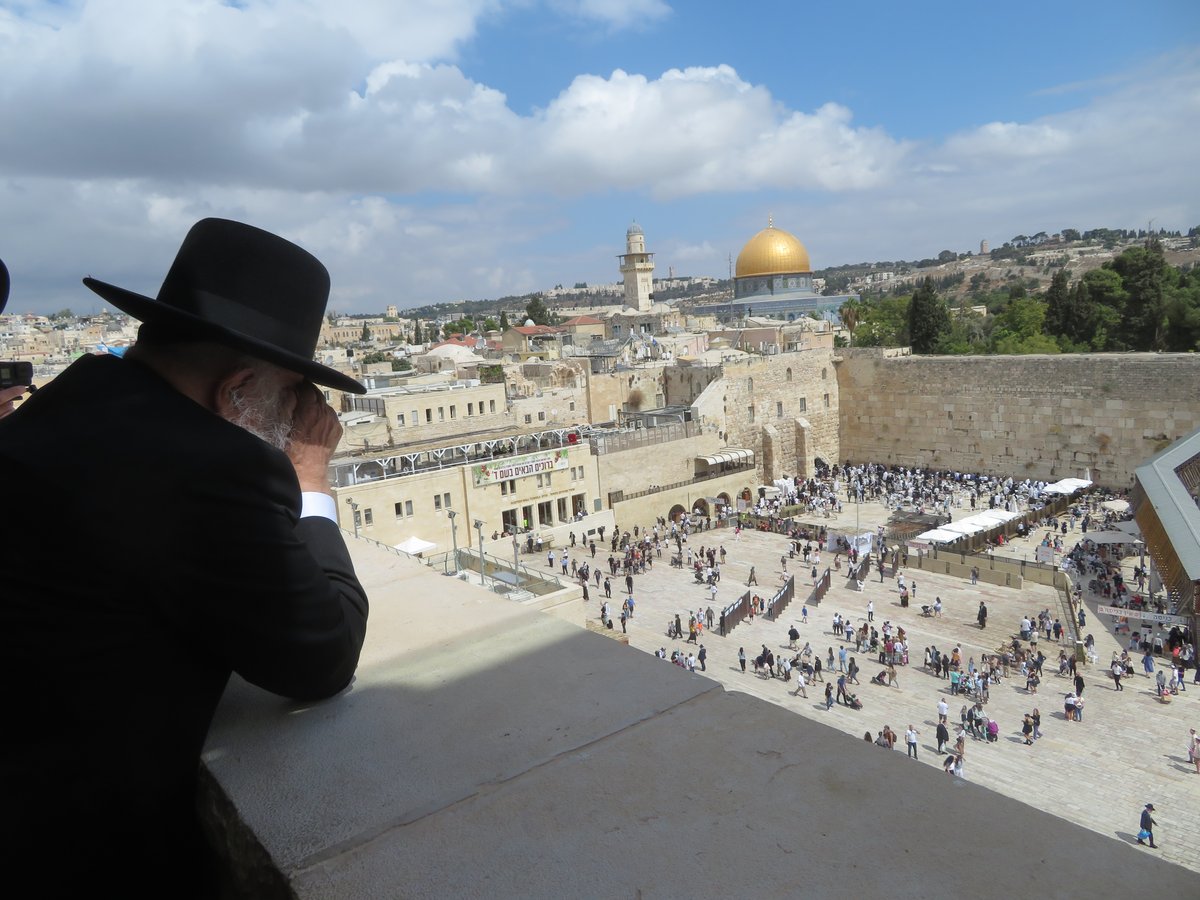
414	546
939	536
966	526
1067	486
1116	505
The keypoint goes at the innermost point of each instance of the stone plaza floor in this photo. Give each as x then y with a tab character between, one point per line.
1129	750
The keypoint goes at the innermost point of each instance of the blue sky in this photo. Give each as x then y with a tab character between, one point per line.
432	151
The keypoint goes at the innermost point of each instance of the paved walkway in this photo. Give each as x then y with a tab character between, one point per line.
1129	750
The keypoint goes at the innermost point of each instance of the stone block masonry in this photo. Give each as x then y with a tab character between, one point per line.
1044	417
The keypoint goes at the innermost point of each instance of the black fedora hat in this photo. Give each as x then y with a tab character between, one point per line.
246	288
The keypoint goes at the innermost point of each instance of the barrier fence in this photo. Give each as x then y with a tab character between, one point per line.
738	611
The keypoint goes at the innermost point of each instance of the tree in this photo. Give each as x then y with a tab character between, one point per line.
1059	315
849	315
536	309
928	318
1144	317
1070	234
504	320
366	333
490	324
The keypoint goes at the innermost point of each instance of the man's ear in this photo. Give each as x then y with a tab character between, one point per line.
222	398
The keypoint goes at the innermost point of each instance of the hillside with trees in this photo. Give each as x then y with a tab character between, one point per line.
1135	301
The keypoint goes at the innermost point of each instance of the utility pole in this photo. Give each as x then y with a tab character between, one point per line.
479	529
454	536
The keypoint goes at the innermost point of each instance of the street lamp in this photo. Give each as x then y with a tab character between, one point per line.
454	536
479	528
516	550
353	513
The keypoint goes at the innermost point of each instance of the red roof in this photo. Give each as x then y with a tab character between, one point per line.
536	329
583	320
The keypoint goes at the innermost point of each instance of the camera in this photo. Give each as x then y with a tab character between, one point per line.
11	373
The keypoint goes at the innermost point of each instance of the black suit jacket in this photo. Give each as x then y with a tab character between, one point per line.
157	548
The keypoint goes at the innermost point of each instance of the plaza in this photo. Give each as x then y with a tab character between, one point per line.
1129	750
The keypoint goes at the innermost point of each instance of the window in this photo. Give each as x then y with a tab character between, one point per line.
539	479
400	510
803	404
824	373
528	418
545	513
750	413
508	487
441	414
357	518
491	406
368	518
789	374
408	509
453	411
542	416
429	415
749	385
416	418
399	418
446	500
437	501
827	401
572	406
779	408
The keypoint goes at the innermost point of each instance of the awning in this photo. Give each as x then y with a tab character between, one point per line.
1109	537
728	456
940	536
415	545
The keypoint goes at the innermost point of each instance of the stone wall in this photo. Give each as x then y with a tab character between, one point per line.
1045	417
796	394
610	393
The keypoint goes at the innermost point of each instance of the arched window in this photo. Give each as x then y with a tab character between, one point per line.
789	373
750	385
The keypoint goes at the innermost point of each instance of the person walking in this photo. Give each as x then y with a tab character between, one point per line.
870	610
910	738
742	658
753	579
1117	671
943	737
828	695
1147	830
982	616
702	656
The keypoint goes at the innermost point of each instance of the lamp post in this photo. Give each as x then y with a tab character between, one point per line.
516	550
353	513
454	536
479	529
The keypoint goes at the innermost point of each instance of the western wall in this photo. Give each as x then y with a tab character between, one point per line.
1044	417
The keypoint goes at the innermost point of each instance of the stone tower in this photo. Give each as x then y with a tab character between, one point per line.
637	268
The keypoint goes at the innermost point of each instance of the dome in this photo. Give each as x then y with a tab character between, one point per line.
772	251
633	229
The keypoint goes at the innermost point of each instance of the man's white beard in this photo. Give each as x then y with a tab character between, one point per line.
260	411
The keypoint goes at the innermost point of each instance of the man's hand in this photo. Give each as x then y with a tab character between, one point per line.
315	434
7	396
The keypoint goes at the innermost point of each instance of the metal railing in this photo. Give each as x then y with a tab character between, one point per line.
642	437
659	488
499	575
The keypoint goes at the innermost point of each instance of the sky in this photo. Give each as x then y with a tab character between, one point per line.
438	150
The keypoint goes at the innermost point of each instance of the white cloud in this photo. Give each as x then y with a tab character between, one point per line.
345	126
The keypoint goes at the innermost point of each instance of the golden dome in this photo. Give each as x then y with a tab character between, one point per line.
772	251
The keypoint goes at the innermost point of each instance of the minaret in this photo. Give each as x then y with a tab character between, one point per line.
637	268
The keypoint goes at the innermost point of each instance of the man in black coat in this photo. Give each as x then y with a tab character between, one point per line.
177	527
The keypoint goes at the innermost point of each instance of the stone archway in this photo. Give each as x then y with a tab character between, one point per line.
700	507
676	513
747	495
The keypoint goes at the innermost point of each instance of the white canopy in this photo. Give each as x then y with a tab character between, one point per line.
1116	505
966	526
415	545
939	536
1067	486
1130	527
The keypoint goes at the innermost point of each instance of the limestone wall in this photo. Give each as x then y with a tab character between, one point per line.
1045	417
608	393
778	391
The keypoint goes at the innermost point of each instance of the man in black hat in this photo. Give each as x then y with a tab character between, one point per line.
1148	824
178	527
